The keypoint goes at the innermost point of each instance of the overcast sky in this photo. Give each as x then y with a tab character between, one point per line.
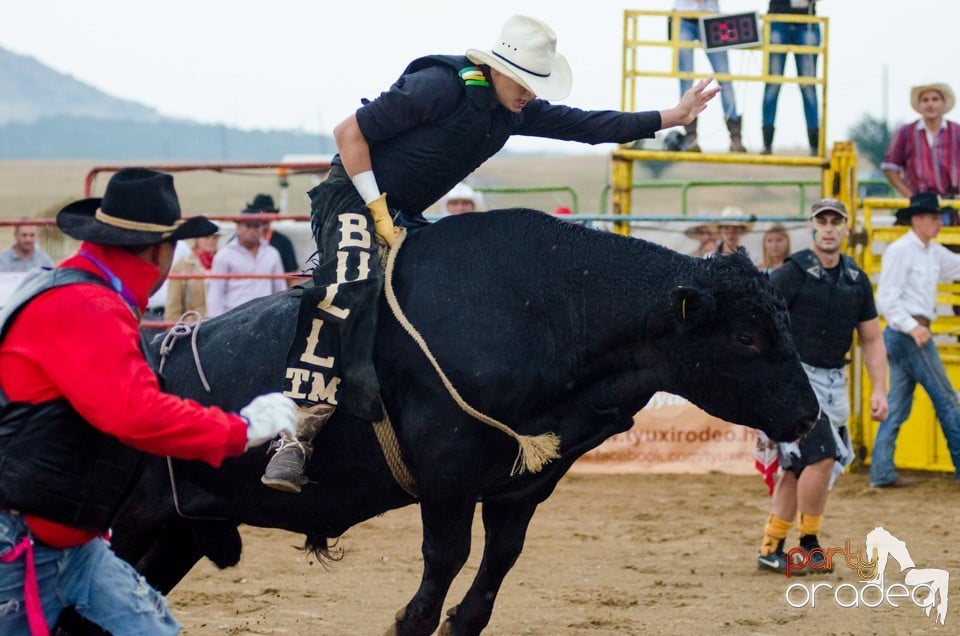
305	64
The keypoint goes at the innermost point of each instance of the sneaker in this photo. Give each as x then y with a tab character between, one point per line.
815	563
773	562
813	557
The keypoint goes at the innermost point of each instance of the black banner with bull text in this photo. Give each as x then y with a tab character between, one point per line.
331	359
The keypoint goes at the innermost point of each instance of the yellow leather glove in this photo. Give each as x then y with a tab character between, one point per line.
382	222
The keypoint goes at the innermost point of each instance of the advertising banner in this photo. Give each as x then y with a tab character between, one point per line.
671	435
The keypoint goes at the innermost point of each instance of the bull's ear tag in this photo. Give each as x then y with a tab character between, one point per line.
695	305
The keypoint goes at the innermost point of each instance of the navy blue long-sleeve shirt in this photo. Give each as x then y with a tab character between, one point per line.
431	130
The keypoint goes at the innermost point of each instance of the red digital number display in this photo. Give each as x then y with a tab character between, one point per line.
725	32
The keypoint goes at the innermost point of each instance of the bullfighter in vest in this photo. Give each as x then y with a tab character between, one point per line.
80	406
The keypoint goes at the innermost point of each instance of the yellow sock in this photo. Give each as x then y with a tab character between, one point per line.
773	533
809	524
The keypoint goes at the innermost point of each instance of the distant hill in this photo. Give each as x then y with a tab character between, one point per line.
45	114
30	91
65	137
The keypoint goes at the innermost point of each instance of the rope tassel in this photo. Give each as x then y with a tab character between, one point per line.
535	451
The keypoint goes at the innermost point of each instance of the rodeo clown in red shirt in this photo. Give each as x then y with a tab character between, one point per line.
79	406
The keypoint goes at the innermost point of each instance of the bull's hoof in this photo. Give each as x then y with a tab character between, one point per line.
394	630
448	628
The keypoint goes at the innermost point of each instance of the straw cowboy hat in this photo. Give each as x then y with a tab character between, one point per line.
736	218
692	231
138	207
526	52
948	99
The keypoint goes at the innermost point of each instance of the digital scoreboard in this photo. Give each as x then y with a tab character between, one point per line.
729	31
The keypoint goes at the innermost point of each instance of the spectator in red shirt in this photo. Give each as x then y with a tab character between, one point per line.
79	406
924	155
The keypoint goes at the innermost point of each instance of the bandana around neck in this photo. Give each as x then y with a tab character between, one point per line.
205	258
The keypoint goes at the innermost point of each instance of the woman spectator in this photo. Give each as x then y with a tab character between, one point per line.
776	248
190	294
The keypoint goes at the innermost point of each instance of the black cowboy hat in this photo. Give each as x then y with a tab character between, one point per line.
261	203
923	203
138	207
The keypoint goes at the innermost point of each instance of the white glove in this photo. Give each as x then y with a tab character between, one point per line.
267	416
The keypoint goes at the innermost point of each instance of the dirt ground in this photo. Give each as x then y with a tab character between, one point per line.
606	554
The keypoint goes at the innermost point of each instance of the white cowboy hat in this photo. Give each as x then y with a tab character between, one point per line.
463	192
732	212
948	99
526	52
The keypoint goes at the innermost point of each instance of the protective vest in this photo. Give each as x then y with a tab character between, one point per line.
407	166
824	313
53	464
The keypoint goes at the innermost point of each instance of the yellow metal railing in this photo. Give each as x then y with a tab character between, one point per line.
637	22
839	170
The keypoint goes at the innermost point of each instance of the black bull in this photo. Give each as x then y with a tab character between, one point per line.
542	324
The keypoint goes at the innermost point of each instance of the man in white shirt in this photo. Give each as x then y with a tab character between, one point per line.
907	297
247	253
24	254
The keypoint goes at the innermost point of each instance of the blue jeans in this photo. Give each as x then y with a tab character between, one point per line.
104	589
795	34
690	31
910	364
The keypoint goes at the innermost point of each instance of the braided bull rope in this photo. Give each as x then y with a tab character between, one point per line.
391	452
534	451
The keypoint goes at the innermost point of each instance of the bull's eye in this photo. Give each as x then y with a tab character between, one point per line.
745	340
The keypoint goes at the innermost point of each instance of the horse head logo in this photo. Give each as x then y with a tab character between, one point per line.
881	546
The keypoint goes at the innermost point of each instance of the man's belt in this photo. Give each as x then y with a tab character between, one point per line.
923	320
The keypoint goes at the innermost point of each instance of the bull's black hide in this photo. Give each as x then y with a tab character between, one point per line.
540	323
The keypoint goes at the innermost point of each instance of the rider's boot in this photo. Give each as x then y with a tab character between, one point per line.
285	471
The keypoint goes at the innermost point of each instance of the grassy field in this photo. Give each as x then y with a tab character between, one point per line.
37	189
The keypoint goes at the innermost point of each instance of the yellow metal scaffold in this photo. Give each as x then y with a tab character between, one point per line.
637	50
